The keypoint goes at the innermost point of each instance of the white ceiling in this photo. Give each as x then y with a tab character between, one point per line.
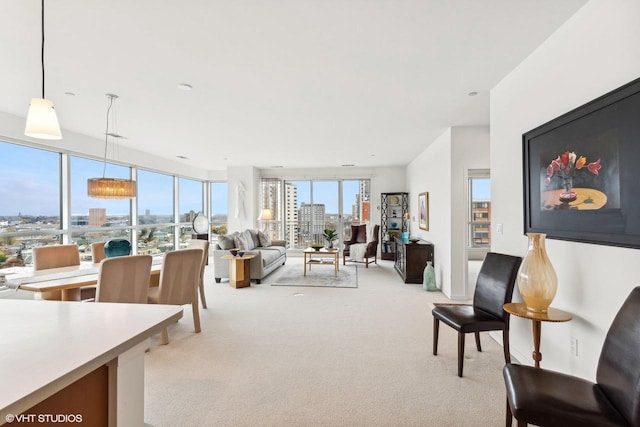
296	83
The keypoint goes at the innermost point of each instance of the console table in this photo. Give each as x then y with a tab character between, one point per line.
411	259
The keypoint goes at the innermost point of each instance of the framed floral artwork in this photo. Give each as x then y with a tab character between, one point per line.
582	174
423	211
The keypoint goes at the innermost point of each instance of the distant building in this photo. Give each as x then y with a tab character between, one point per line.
480	224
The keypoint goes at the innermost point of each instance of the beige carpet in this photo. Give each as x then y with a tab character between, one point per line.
282	356
323	276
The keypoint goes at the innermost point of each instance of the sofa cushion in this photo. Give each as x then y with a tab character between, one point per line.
271	254
227	242
265	240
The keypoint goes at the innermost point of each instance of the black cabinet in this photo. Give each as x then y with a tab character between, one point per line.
393	221
411	259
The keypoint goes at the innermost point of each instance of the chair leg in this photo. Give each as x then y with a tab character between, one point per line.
196	315
478	346
505	346
165	336
509	419
436	329
344	259
203	299
460	353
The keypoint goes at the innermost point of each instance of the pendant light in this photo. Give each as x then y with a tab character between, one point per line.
42	121
110	188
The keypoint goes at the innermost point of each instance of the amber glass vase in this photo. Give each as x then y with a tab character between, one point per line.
537	280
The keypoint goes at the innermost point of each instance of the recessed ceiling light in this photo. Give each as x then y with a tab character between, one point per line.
70	94
277	166
116	135
472	93
347	166
183	157
184	86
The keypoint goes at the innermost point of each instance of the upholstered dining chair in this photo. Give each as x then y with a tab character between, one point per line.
204	245
97	252
359	236
124	279
548	398
55	256
117	247
179	278
494	288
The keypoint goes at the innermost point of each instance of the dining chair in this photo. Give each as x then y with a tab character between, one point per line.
179	278
549	398
54	256
97	252
204	245
494	288
124	279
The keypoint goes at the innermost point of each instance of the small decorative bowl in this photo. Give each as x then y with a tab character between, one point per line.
317	246
233	251
241	253
414	240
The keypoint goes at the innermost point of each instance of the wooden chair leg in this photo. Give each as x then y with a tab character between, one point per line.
203	299
509	419
436	329
165	336
478	346
196	315
522	423
460	353
505	346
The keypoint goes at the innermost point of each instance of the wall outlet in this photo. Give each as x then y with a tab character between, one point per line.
499	228
574	346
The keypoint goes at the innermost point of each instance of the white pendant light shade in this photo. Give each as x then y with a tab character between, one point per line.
42	121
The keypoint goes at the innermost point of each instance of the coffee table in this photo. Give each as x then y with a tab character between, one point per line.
239	270
321	257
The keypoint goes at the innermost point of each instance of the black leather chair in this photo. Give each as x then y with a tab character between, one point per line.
548	398
494	288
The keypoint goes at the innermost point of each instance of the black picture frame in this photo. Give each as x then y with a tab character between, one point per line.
603	205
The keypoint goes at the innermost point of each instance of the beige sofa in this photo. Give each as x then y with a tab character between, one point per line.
270	254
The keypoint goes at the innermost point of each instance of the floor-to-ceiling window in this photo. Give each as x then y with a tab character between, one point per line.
96	220
43	201
30	203
311	206
218	211
189	205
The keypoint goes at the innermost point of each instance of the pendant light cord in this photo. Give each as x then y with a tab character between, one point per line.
106	136
42	48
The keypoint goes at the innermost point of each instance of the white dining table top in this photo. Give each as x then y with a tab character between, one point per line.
59	278
47	345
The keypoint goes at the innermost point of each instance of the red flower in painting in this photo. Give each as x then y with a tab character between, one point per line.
594	167
566	163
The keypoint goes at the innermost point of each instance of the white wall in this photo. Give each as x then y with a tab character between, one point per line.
441	170
593	53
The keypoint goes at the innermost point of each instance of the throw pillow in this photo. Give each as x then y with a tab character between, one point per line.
255	237
241	242
227	242
246	234
265	240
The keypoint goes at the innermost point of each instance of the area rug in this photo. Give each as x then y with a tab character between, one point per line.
319	276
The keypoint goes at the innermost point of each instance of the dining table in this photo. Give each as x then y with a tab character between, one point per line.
68	280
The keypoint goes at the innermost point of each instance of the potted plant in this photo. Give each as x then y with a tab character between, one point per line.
331	236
